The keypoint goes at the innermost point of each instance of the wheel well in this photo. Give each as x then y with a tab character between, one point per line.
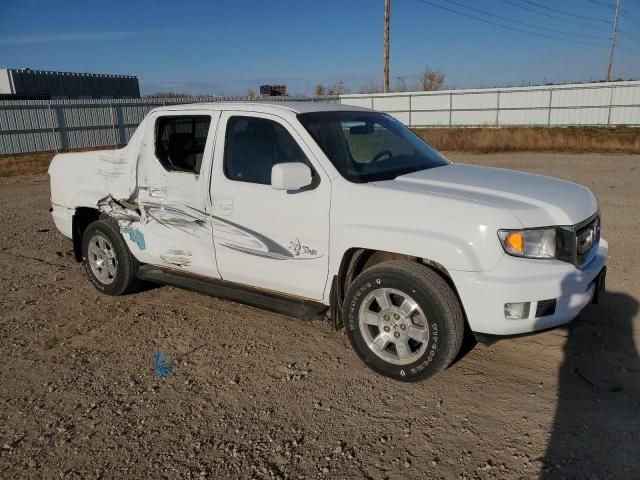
82	218
357	260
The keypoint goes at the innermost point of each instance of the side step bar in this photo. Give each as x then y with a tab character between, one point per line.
294	307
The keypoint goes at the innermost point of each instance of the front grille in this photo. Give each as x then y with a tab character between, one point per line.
546	308
587	240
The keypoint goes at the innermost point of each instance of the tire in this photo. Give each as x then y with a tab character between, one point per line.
403	320
109	264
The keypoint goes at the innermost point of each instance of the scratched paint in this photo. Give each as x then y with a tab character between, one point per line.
179	258
131	214
135	236
123	212
189	220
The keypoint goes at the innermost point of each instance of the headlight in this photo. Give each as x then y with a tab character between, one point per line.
532	243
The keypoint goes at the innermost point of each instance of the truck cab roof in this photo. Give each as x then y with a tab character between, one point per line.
265	107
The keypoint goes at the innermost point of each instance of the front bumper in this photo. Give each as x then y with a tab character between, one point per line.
484	294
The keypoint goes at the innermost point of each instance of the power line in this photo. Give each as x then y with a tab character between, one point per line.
628	16
635	39
508	27
626	12
629	50
531	25
569	14
548	15
601	4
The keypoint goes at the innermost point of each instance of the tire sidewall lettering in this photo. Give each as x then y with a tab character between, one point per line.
433	348
352	313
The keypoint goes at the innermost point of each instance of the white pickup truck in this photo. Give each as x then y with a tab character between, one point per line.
302	207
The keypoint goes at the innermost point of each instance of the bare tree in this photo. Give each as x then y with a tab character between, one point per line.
337	88
320	90
401	85
371	87
430	80
251	94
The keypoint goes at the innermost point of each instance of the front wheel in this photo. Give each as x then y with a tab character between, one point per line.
404	320
107	260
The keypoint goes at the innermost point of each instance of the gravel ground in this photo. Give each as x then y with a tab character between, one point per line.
256	394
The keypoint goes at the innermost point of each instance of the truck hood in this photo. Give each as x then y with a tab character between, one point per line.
535	200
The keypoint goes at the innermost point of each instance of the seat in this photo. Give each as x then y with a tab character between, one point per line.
181	151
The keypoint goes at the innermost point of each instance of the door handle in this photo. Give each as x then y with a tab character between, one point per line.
158	193
224	205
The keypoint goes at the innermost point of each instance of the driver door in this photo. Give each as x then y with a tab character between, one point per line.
267	238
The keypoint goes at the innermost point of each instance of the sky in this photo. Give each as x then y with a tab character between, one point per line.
225	47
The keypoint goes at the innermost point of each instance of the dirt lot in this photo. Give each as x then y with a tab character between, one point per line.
256	394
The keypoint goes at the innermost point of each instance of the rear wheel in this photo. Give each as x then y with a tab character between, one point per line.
109	264
404	320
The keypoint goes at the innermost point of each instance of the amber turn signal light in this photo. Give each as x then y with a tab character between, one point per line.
515	242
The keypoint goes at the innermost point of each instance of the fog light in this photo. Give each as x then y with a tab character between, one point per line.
516	311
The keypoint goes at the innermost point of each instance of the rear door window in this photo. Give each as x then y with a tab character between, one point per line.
180	142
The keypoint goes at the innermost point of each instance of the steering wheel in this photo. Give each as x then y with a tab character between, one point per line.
381	154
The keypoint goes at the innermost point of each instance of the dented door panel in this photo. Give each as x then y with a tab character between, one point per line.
167	221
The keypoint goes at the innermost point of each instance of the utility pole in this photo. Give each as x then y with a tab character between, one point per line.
613	39
386	45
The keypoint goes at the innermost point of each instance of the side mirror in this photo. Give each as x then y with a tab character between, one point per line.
290	176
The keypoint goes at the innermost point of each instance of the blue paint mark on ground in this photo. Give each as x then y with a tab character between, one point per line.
135	236
161	367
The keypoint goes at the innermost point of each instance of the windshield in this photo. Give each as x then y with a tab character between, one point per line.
369	146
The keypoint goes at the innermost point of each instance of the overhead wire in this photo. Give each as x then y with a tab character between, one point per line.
555	17
628	50
635	39
602	4
564	12
531	25
628	16
508	27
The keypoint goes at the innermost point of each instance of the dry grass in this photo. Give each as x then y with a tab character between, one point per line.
28	164
527	139
32	163
473	140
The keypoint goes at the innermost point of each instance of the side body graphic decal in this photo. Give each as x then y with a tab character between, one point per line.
195	222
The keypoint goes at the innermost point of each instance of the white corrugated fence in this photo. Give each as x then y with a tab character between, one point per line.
586	104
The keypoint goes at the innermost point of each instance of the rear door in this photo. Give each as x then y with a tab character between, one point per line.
267	238
174	171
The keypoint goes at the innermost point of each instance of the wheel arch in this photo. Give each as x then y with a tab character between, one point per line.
82	218
357	259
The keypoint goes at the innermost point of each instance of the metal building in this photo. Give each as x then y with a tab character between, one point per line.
40	84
